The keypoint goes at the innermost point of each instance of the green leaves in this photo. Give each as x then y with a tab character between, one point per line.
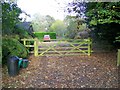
93	22
10	13
105	20
103	12
10	43
12	46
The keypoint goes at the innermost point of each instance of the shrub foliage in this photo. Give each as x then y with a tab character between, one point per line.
12	47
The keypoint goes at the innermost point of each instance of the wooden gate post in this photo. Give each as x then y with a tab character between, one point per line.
118	57
36	47
89	46
24	42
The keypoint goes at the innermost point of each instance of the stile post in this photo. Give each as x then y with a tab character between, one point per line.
118	57
36	47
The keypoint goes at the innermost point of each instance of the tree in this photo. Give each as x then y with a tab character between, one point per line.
10	13
103	12
76	8
74	25
59	27
71	25
102	17
42	23
10	39
50	20
105	18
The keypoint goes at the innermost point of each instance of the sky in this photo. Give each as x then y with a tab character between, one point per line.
44	7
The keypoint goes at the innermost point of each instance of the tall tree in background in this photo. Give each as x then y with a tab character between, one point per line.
59	27
74	26
71	29
42	23
76	12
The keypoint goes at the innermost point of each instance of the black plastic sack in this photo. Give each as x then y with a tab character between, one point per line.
12	64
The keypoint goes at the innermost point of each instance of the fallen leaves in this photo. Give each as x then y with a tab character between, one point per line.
98	70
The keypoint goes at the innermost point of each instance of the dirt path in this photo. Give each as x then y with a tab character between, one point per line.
96	71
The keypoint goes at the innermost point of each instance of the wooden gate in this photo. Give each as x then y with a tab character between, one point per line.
57	47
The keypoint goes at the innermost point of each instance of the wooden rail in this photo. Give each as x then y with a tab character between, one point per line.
58	47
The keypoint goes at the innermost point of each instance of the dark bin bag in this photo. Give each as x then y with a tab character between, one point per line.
12	64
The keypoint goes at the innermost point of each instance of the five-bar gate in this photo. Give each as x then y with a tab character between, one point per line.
57	47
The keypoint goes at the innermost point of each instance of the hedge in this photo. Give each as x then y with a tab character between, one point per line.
40	35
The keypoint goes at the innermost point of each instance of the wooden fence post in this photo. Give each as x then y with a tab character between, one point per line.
89	46
118	57
36	47
24	42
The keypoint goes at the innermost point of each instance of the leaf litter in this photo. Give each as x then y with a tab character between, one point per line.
96	71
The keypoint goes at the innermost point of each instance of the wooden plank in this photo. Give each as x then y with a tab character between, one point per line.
29	45
62	54
58	39
31	51
53	51
67	39
76	47
27	39
78	43
64	48
63	51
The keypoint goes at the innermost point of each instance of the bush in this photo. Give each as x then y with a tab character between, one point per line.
11	46
40	35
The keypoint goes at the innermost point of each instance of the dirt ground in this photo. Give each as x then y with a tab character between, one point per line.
96	71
